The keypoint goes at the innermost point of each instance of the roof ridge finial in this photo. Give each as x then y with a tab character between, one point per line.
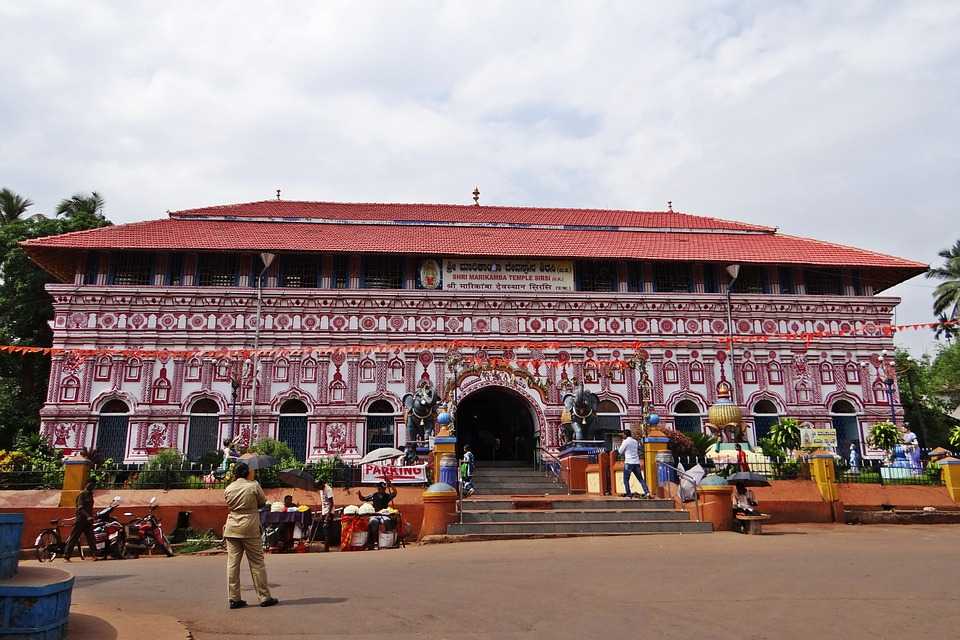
670	205
278	194
476	196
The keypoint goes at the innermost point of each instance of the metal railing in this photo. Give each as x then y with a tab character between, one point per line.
873	471
20	477
549	464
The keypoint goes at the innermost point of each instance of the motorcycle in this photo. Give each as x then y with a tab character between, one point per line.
109	533
146	533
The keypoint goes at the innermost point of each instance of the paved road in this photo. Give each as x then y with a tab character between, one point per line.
797	582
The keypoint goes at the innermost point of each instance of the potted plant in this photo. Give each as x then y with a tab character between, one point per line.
885	436
785	436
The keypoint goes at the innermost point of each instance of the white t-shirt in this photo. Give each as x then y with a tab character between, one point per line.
630	449
326	503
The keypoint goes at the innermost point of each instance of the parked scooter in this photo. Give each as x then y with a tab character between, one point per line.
109	533
146	534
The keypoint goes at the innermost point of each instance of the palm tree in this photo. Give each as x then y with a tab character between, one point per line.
947	293
945	328
81	205
12	206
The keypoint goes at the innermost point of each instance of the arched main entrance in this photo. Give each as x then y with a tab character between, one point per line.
498	424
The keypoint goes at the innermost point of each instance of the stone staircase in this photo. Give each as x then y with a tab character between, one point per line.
518	502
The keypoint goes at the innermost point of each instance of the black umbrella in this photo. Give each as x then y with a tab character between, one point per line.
748	479
257	461
298	479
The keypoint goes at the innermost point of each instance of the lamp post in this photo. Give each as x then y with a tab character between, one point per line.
733	270
889	374
236	375
267	259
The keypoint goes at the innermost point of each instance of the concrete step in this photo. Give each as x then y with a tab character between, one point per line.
504	503
509	476
596	527
490	537
572	515
517	487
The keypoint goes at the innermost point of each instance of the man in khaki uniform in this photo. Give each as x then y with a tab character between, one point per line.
241	534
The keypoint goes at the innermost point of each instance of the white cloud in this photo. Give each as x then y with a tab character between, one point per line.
834	120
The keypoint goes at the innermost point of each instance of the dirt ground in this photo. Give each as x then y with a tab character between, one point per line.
796	581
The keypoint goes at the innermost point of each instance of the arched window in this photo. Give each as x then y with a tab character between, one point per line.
852	373
380	425
194	368
826	373
590	372
774	372
308	370
337	391
670	375
134	369
367	368
292	428
396	371
749	373
70	390
112	428
803	392
880	393
161	389
616	374
847	424
104	368
696	372
764	417
281	370
608	417
222	372
203	429
687	418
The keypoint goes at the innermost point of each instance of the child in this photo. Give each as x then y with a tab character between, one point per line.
466	472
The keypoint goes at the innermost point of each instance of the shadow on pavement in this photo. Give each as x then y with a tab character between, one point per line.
313	601
83	627
784	533
82	581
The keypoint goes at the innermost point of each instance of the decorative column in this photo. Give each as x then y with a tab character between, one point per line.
653	444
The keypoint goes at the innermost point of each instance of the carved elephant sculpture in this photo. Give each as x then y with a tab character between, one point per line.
421	412
583	412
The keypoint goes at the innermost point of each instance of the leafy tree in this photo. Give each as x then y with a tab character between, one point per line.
25	310
702	443
785	434
12	205
884	435
947	294
80	206
954	439
945	328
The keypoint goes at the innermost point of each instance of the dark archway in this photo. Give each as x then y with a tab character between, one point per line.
498	424
292	429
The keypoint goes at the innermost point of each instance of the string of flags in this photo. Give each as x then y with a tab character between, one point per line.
478	345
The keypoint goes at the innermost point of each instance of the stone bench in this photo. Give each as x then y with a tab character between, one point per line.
754	523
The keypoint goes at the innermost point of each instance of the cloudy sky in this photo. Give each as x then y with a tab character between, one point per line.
826	119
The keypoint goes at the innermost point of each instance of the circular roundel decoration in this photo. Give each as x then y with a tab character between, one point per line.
795	327
668	354
719	326
563	325
721	356
396	323
426	323
481	324
509	354
744	326
694	354
616	354
310	322
666	325
588	324
480	356
108	320
167	321
870	329
747	355
845	328
368	323
535	324
78	320
226	322
197	321
425	358
454	325
339	323
772	355
613	325
283	321
589	353
338	357
508	325
137	320
769	326
563	356
820	327
693	326
641	326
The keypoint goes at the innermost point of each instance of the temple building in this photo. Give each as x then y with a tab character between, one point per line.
504	310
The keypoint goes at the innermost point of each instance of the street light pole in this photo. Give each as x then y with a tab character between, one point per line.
267	259
733	270
888	379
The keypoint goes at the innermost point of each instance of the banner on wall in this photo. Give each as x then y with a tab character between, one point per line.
516	276
378	472
825	438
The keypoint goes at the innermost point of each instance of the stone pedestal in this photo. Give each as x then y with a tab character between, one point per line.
653	444
76	473
442	445
574	460
825	475
439	509
950	469
717	504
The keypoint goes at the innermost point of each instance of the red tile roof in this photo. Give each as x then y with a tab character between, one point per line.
464	231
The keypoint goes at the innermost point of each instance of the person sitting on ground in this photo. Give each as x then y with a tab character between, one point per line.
744	502
381	499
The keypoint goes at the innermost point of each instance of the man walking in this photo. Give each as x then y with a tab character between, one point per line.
241	534
83	522
630	450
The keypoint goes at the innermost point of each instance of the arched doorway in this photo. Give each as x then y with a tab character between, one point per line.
686	417
292	430
764	417
380	421
204	427
112	428
498	424
845	421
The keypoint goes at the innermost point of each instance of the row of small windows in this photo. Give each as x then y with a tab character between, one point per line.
390	272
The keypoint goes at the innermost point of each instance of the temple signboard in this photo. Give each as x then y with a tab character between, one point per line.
825	438
515	276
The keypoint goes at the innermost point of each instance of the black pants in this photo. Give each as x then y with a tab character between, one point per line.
85	527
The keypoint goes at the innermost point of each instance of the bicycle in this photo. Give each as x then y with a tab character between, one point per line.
49	543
